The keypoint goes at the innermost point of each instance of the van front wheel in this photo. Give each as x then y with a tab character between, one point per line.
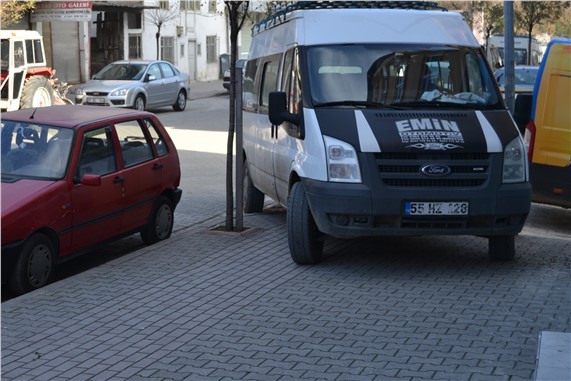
304	238
501	247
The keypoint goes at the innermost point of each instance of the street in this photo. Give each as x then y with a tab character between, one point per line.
213	306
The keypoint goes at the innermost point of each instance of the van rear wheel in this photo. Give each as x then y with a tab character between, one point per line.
501	247
304	238
253	197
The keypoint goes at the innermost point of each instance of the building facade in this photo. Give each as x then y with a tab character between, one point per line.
193	35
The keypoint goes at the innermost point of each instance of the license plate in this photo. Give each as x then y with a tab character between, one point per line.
95	100
446	208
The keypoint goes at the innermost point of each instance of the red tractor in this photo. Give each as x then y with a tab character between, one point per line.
26	79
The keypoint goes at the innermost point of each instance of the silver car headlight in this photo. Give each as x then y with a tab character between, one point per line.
119	93
342	161
515	162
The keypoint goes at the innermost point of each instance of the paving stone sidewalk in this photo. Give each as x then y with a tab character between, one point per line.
209	306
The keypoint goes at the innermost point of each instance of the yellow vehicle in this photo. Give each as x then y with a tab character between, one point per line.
548	133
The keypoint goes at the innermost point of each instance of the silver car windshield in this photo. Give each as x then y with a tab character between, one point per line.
122	72
35	151
397	75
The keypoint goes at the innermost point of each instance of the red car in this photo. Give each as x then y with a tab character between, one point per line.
74	177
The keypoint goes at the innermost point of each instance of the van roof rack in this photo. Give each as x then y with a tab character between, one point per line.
279	16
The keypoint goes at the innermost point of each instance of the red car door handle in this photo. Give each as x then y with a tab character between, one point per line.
157	166
119	179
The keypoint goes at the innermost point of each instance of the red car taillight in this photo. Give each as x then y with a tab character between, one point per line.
529	139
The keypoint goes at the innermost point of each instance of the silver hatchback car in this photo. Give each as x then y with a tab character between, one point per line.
137	84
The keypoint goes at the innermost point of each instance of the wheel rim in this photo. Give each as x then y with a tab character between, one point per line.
39	265
163	222
140	104
41	98
181	100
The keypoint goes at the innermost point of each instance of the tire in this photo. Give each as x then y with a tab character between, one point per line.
304	239
253	197
35	265
180	103
139	103
37	92
160	223
501	247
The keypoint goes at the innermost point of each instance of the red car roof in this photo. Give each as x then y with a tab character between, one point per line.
70	116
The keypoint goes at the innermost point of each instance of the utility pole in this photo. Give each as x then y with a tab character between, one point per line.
509	54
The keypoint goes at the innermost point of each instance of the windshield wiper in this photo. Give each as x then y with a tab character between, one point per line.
360	104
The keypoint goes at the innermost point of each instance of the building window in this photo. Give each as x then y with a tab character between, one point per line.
134	20
212	6
189	5
164	4
211	49
167	49
135	46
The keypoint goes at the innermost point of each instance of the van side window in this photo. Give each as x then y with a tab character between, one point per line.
292	80
269	81
249	89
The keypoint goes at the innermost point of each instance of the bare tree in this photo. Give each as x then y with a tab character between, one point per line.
237	15
493	12
529	14
161	16
12	11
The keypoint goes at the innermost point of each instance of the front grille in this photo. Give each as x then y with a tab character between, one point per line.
96	94
404	169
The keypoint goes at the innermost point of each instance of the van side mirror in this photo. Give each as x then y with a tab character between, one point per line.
522	110
278	109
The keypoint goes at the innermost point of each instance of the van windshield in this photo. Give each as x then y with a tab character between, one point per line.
400	75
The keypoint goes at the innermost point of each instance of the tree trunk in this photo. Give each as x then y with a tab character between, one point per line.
158	36
233	16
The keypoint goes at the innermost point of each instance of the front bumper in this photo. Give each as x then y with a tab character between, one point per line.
352	210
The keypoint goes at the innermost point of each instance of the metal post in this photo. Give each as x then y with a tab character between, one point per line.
239	157
509	54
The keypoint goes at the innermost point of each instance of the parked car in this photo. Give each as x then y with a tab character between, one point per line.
524	78
226	77
139	84
74	177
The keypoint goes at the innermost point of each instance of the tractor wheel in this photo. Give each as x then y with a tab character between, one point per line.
37	92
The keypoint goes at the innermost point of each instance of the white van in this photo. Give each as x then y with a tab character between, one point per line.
372	121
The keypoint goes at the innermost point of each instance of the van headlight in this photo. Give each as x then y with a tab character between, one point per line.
515	162
342	162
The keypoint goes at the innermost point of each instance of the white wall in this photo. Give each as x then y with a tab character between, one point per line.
190	46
